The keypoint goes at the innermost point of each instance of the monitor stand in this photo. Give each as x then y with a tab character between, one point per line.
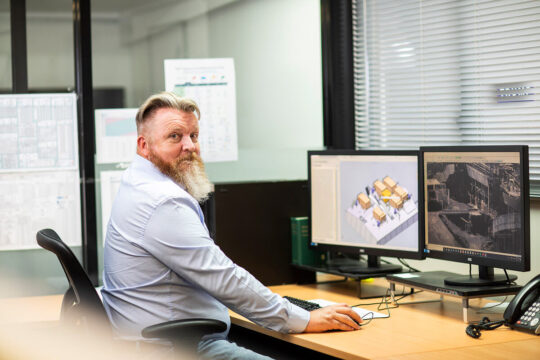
433	281
373	266
485	277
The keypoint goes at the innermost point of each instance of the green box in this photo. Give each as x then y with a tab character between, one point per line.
302	254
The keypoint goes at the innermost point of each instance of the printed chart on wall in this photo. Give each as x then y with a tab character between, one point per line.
211	83
39	171
116	135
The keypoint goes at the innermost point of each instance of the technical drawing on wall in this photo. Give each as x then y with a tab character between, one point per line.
39	171
211	83
37	132
382	210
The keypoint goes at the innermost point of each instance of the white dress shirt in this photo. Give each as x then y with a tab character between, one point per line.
162	265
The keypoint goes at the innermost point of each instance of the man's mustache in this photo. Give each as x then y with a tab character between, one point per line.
187	157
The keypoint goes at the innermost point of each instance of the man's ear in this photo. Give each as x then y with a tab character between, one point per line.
142	146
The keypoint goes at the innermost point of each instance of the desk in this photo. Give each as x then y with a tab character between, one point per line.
414	331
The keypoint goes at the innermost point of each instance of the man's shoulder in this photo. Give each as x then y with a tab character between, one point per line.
148	185
161	190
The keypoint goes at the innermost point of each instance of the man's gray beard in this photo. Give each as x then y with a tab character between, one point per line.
187	171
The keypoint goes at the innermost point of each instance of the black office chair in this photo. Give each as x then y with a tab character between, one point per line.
82	307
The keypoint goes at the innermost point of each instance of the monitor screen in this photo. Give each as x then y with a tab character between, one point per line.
477	205
365	202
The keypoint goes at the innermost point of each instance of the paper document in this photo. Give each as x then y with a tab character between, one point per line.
116	135
364	313
32	201
211	83
38	132
39	170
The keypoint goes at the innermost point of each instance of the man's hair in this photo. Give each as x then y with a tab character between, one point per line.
164	99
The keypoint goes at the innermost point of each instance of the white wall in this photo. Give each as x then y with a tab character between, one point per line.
277	49
278	74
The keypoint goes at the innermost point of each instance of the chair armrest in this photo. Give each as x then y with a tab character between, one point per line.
190	330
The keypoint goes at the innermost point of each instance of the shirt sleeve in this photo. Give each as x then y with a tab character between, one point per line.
176	236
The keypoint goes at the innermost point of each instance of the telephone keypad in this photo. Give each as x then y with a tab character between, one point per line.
531	317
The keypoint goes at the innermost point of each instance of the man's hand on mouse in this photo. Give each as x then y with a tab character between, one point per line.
333	317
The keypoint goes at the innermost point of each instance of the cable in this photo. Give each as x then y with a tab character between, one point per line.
401	296
474	330
383	305
379	308
404	263
489	307
368	320
508	281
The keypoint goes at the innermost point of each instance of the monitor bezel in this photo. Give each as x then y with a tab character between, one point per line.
524	265
365	250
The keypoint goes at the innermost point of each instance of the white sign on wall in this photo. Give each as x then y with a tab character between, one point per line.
211	83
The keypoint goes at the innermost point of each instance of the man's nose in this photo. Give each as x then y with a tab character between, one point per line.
187	144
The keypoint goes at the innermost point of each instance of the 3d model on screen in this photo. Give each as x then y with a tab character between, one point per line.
381	211
474	205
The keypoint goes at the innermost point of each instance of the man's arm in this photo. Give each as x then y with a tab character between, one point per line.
175	235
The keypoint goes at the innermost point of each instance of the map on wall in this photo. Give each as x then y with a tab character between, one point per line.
211	83
39	172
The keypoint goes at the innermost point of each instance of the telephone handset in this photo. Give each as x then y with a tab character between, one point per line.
523	312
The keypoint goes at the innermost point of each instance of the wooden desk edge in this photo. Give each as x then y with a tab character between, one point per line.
293	339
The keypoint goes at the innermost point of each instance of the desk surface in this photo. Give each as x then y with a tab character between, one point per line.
414	331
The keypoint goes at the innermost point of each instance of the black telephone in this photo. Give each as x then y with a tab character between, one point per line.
523	312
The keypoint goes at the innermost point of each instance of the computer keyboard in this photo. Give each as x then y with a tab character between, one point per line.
306	305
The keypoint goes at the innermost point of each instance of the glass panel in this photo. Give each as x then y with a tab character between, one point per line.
276	48
50	69
5	48
49	31
278	71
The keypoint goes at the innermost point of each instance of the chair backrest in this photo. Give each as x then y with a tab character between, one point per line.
81	304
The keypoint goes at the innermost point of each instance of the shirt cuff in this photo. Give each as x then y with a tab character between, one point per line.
298	319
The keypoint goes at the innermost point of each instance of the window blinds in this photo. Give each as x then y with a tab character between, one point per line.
447	73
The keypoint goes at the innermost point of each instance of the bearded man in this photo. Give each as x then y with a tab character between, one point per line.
160	263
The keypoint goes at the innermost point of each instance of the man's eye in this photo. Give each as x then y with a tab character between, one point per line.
173	136
194	136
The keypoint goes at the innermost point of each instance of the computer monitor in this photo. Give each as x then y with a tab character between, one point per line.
476	209
365	202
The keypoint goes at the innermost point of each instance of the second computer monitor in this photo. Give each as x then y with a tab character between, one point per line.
366	202
477	209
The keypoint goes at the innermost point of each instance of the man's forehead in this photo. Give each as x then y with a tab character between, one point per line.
174	116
